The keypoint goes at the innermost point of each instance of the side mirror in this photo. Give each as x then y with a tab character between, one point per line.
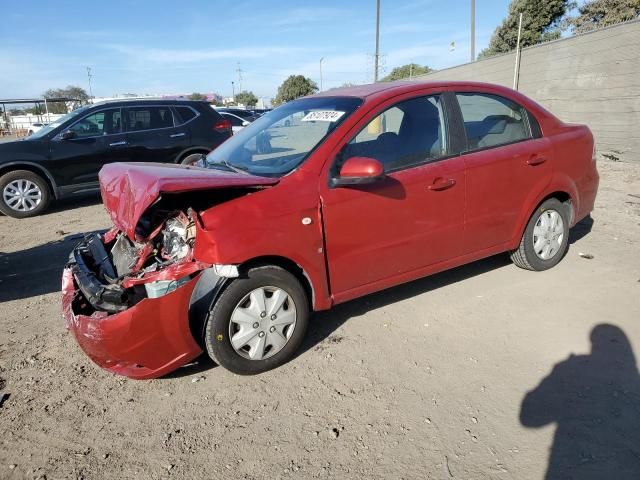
245	123
67	135
359	171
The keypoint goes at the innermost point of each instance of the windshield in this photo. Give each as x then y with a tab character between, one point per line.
53	125
279	141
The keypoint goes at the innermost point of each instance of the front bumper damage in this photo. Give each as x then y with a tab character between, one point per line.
119	326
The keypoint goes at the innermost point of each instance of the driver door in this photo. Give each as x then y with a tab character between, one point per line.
97	139
386	232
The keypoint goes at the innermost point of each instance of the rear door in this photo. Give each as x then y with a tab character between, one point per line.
378	234
507	161
97	139
154	135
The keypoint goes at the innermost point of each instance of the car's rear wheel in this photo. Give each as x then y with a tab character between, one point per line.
258	322
23	194
546	238
191	159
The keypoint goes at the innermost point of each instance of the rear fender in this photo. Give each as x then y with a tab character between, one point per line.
560	182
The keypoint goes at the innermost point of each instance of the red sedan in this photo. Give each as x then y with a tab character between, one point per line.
320	201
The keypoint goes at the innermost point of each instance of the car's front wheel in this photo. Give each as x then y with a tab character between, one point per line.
546	238
258	322
23	194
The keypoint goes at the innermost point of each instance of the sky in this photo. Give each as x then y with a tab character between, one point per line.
163	47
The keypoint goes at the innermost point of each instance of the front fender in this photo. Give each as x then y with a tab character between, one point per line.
204	294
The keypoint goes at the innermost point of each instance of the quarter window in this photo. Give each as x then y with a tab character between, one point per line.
185	113
491	120
407	134
148	118
97	124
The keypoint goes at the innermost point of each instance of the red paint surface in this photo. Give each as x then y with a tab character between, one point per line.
128	189
148	340
416	222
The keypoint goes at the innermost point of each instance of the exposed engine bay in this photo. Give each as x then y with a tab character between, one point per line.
119	272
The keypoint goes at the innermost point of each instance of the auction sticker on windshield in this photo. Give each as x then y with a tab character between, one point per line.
322	116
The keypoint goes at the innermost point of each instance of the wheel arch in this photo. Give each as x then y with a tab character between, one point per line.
210	286
190	151
35	168
560	188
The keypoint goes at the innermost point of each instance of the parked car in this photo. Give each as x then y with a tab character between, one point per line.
374	186
64	158
237	123
34	127
247	115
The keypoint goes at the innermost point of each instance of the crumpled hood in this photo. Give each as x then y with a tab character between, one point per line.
128	189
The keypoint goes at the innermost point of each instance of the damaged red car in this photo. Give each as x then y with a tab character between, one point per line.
322	200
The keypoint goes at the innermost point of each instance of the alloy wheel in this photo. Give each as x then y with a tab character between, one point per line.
22	195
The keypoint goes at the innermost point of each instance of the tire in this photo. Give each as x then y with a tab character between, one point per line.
36	203
238	301
531	255
191	159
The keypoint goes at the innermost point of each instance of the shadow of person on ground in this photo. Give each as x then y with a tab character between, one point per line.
595	401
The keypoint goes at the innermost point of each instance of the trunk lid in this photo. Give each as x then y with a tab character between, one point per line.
128	189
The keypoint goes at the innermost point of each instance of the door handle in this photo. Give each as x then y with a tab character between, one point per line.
117	144
533	161
176	135
441	184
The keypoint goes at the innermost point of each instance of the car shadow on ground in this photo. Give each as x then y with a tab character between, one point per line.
35	271
594	400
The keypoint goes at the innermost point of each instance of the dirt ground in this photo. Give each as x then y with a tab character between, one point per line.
426	380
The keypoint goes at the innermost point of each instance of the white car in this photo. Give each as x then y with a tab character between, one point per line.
34	127
237	123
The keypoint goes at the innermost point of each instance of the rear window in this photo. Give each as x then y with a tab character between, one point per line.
148	118
185	114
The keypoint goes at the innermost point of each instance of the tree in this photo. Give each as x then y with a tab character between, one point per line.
540	22
246	98
79	96
602	13
197	96
407	71
293	87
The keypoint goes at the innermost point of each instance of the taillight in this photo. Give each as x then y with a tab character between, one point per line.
223	125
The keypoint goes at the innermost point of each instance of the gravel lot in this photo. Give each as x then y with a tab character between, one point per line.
426	380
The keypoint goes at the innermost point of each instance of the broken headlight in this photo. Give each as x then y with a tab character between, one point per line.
177	237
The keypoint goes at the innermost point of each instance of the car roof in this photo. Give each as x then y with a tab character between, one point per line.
402	86
155	101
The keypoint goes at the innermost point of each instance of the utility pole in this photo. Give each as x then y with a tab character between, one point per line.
377	57
516	71
321	59
473	31
239	70
89	77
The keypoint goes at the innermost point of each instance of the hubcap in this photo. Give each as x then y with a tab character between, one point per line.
262	323
22	195
548	234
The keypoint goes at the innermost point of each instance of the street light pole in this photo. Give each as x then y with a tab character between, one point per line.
377	57
473	30
321	59
233	91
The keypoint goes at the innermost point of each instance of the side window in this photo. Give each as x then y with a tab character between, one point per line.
409	133
491	120
185	113
100	123
148	118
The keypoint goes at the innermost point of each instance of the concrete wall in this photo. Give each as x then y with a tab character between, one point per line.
592	78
